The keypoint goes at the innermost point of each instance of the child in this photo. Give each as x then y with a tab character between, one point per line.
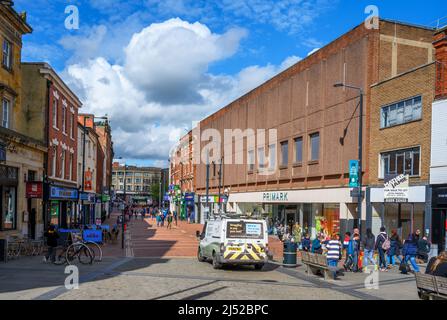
305	243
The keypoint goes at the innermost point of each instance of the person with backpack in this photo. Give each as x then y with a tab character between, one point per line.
368	243
382	246
349	264
394	250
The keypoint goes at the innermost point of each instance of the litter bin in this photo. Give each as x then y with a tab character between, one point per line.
289	254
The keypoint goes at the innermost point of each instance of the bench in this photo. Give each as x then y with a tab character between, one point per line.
431	287
315	264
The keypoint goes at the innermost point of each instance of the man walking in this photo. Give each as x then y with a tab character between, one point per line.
333	254
52	237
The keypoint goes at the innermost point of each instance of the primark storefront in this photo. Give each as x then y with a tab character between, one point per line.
328	211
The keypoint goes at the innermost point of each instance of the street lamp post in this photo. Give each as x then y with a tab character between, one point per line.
360	152
123	216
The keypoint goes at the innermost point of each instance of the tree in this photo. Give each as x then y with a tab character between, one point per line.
155	192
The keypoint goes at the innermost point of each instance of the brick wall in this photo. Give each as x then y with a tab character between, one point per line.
418	133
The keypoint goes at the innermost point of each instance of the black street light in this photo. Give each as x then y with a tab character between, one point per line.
360	150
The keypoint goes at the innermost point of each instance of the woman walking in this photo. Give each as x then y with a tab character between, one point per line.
368	247
409	252
394	250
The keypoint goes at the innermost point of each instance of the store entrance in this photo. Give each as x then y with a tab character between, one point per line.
439	228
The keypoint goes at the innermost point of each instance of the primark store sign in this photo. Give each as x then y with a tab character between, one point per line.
275	196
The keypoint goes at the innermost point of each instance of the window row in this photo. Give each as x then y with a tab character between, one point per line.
404	161
314	153
64	119
7	55
60	170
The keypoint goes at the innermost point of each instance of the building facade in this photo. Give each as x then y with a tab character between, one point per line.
182	175
21	152
136	182
438	165
49	97
303	175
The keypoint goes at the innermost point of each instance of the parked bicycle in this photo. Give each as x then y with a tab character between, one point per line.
73	253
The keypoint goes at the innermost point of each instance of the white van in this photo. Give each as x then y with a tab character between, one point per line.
229	241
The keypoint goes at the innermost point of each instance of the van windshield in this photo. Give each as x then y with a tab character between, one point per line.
245	230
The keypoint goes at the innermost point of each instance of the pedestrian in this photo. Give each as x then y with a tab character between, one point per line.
349	262
395	247
382	246
346	240
409	252
306	243
296	233
280	232
158	219
356	249
423	250
175	217
333	254
169	218
437	266
316	245
368	249
52	235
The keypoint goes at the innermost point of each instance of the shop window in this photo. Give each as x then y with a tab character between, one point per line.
401	112
315	146
405	161
9	199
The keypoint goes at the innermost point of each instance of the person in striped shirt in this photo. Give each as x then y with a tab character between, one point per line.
333	254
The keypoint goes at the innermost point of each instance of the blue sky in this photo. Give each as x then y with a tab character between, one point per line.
228	47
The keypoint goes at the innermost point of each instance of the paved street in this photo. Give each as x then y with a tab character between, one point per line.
161	264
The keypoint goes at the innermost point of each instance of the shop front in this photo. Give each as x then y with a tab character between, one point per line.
88	204
8	197
61	204
405	214
189	206
318	211
439	216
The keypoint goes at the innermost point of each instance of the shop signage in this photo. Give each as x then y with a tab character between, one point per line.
105	198
85	196
189	197
92	235
213	199
34	190
275	196
396	188
63	193
88	180
440	196
353	173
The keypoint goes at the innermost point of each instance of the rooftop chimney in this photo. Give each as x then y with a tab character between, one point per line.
440	44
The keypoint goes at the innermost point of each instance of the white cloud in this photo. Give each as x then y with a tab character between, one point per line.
163	85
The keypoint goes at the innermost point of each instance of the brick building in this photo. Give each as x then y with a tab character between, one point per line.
438	165
49	97
182	175
303	175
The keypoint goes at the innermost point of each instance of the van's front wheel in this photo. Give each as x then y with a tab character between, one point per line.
200	257
259	266
216	264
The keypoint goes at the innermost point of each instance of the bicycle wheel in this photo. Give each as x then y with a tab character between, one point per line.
96	250
79	252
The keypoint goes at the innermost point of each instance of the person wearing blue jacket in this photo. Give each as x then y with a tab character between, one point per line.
410	251
350	250
305	242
